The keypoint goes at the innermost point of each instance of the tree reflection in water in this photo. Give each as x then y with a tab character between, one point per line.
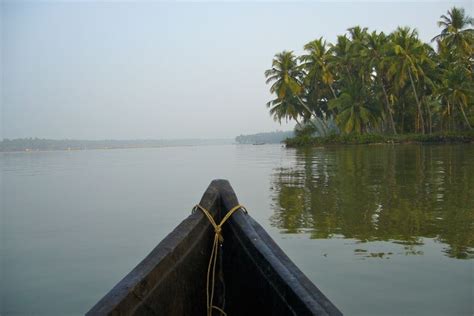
400	193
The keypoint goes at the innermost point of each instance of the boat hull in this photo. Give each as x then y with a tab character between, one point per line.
254	276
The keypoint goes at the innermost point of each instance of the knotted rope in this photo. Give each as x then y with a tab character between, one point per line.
218	240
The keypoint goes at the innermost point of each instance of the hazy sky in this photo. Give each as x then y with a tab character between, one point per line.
95	70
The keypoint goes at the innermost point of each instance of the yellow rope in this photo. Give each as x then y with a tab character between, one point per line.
211	269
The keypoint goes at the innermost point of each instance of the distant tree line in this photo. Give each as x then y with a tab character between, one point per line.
267	138
376	82
37	144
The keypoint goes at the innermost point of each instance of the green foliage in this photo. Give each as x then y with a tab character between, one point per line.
266	138
302	140
373	83
286	78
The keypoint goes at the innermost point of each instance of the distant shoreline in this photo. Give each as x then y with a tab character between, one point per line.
28	150
43	145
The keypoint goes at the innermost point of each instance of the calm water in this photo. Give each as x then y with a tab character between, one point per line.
381	230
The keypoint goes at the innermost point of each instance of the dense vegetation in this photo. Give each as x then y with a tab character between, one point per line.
370	138
267	138
372	82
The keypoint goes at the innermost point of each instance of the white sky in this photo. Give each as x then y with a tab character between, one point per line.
126	70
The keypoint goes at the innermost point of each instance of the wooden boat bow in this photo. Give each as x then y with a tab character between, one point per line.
255	277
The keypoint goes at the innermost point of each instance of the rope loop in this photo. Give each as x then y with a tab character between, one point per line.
218	240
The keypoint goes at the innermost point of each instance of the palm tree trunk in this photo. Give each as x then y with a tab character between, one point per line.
348	74
465	117
449	117
430	122
332	90
388	107
403	117
430	119
417	103
311	122
325	127
298	122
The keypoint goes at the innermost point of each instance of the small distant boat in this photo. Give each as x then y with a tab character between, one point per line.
258	144
253	275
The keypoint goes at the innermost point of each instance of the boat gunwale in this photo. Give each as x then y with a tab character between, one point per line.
284	275
136	284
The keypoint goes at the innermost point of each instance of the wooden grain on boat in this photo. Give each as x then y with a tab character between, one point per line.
254	276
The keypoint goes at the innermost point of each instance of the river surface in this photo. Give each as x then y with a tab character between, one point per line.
381	229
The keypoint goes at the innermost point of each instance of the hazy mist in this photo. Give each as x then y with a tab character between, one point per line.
165	70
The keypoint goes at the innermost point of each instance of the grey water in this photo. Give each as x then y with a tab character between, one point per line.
381	230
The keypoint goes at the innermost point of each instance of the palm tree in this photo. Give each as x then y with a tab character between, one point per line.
373	81
409	53
456	32
456	89
341	60
317	64
356	112
359	39
286	77
318	81
355	107
375	53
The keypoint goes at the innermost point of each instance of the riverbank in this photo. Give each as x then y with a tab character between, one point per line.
356	139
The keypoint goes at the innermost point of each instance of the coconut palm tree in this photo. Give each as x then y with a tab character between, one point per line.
341	60
318	80
286	77
375	53
356	111
408	54
359	38
456	89
455	30
317	64
372	81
